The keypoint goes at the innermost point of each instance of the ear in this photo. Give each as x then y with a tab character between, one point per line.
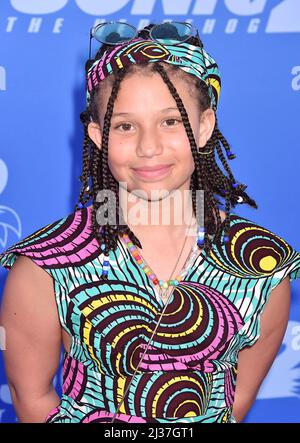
207	124
95	134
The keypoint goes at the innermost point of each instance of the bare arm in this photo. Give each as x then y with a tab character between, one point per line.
255	362
33	340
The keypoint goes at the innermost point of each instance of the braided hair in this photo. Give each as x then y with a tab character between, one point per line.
207	174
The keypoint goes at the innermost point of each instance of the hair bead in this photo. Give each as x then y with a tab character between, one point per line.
230	155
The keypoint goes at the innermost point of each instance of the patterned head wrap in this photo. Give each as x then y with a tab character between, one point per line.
192	59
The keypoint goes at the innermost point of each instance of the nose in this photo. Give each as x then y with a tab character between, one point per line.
149	143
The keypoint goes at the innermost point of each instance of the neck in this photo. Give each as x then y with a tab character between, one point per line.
167	216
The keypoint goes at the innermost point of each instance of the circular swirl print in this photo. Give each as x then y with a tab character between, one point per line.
252	251
196	326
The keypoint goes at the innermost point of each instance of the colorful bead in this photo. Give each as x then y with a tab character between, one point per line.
226	239
148	271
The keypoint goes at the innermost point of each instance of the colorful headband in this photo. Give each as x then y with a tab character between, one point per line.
192	59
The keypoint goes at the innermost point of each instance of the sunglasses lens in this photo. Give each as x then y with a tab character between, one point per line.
114	33
171	33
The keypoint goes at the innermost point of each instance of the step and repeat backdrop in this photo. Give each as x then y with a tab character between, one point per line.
44	46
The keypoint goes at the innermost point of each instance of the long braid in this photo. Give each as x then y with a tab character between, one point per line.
85	192
103	179
201	174
108	237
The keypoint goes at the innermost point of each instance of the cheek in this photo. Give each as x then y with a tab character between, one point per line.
184	153
118	159
185	159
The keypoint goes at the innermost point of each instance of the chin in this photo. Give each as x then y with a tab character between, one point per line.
153	194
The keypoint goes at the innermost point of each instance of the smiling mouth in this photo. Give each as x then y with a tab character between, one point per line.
154	173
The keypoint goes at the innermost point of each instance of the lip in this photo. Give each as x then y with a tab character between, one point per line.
152	172
151	168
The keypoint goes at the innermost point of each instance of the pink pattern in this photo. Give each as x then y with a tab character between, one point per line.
94	416
61	247
229	319
77	368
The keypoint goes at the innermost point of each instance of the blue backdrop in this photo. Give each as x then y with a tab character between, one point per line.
44	45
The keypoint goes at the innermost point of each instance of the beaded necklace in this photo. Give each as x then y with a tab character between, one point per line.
171	282
163	285
142	262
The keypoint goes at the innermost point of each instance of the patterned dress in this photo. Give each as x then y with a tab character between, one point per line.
189	371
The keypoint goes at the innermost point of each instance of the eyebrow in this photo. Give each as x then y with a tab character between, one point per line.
162	111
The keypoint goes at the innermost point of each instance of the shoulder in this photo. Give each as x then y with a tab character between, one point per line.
255	250
63	242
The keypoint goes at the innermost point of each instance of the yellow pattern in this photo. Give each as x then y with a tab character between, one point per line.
215	84
103	300
268	263
86	339
119	63
172	382
190	413
164	51
237	261
120	393
195	325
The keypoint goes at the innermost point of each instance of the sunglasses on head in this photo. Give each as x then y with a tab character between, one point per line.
167	33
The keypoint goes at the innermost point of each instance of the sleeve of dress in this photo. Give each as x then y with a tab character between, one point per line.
280	260
48	248
290	266
41	247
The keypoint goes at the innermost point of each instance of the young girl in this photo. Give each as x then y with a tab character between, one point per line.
160	321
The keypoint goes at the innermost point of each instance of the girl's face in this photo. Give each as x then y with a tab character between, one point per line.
147	130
